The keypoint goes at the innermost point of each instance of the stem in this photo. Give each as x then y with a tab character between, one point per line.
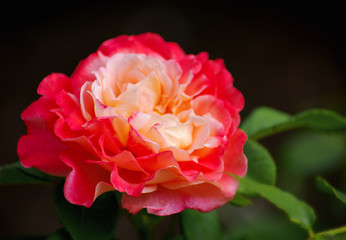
334	231
311	234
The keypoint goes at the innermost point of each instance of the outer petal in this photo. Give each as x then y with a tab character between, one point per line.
84	71
144	43
54	83
234	159
203	197
82	185
234	162
71	109
40	148
148	43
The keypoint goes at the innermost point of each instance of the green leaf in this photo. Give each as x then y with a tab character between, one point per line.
197	225
326	187
308	153
264	225
94	223
298	211
17	174
265	121
59	234
240	201
261	166
263	118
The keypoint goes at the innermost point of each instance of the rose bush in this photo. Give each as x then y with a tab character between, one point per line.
141	117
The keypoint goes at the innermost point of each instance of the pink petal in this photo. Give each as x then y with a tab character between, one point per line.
129	182
71	109
54	83
82	182
234	160
84	72
208	104
156	44
203	197
140	145
41	150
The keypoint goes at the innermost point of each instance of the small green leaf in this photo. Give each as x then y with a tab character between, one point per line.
298	211
94	223
326	187
261	166
265	121
197	225
263	118
59	234
17	174
240	201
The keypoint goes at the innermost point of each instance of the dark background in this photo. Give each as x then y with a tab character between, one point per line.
287	56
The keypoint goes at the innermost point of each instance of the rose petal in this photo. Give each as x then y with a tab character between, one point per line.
54	83
41	150
82	184
165	201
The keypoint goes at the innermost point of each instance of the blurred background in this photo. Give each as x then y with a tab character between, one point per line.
287	56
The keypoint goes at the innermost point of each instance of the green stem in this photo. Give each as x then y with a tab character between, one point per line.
311	234
334	231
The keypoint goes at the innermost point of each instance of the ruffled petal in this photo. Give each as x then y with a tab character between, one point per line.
54	83
203	197
82	184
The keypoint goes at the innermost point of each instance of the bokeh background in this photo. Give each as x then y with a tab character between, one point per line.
287	56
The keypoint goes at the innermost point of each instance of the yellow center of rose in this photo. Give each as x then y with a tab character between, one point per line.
146	91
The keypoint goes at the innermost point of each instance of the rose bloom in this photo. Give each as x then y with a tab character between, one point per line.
141	117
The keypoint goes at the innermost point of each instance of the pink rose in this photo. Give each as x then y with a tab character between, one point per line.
141	117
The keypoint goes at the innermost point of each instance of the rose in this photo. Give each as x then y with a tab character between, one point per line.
141	117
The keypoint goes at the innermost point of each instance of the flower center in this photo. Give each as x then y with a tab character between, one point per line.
135	83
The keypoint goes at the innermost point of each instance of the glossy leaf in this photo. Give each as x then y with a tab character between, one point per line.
265	225
197	225
261	166
265	121
94	223
298	211
263	118
17	174
326	187
308	153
